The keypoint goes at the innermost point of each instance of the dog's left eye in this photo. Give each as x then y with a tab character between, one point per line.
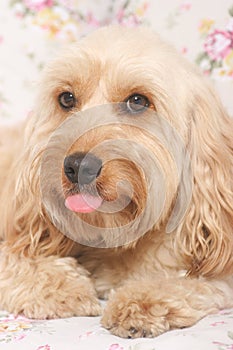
137	103
67	100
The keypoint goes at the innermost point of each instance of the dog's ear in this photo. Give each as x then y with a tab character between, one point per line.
26	229
205	237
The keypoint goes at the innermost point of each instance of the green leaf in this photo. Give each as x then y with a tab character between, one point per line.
231	11
216	64
230	334
201	57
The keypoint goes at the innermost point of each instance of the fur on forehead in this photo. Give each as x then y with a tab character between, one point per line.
119	61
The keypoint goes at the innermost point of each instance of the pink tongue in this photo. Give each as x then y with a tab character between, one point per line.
83	203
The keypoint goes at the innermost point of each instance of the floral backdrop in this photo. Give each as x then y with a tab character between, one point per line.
31	32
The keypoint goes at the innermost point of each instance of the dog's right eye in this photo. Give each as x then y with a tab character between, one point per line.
137	103
67	100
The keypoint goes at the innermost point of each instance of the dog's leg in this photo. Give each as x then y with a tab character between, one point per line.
46	287
145	309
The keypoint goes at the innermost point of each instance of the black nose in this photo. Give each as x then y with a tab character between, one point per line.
82	168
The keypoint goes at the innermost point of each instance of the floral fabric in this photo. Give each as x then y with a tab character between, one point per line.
214	332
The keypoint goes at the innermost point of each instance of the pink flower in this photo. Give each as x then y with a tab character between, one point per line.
120	15
115	347
20	337
184	50
131	21
185	6
218	44
92	21
38	5
43	347
217	323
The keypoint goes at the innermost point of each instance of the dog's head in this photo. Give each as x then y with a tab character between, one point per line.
143	144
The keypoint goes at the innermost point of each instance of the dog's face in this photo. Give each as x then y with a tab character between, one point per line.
137	77
133	106
112	172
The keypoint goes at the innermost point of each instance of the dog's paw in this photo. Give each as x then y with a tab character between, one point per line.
63	303
81	305
67	292
50	287
136	317
132	312
132	321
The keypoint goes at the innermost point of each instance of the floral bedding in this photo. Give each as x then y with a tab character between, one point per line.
85	333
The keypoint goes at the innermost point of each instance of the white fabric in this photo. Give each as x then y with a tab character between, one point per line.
85	333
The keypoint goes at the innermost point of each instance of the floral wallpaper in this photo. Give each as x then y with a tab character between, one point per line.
216	57
66	20
32	31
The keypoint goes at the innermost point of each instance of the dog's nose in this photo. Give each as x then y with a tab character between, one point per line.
82	168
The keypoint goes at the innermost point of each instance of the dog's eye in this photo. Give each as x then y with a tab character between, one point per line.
137	103
67	100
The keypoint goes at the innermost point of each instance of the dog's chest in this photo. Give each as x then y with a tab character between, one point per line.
110	269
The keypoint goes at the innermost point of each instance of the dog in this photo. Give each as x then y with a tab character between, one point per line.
119	186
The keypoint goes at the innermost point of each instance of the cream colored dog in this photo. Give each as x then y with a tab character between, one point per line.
155	281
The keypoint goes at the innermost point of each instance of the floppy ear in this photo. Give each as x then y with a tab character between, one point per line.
205	238
26	228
